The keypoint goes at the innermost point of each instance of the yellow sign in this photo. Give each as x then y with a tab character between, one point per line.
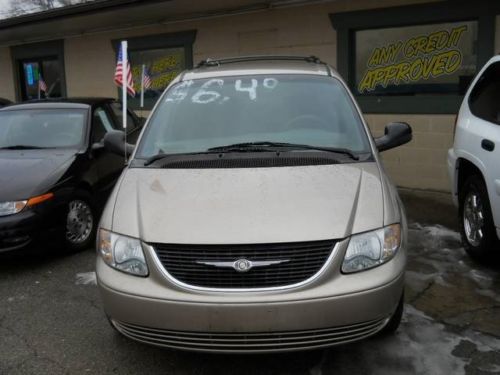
415	59
162	71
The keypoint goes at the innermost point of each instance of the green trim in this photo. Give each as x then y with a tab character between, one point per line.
178	39
34	51
346	24
183	39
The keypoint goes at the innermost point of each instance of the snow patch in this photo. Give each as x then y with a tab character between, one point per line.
428	346
86	278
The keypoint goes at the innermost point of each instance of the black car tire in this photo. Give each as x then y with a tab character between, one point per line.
480	248
392	326
81	223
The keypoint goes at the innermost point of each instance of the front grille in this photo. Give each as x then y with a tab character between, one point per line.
251	342
300	261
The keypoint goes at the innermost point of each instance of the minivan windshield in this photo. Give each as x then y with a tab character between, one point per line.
41	128
200	115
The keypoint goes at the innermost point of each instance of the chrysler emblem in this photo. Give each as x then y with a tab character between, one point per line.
242	265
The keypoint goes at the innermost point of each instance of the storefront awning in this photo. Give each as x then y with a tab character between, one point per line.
99	16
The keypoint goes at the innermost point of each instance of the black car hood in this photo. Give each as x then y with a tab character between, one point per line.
27	173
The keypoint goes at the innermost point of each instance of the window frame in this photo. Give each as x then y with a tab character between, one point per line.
93	124
346	24
37	51
475	87
131	115
182	39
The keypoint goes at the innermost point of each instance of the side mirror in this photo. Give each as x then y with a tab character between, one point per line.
97	146
114	141
395	134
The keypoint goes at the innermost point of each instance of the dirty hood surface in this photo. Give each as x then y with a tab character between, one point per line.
249	205
24	174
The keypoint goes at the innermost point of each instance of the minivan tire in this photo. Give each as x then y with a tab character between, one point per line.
474	216
80	207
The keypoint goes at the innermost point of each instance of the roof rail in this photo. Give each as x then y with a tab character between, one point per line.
229	60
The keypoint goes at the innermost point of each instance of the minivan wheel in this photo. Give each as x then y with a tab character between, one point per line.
476	222
80	223
395	320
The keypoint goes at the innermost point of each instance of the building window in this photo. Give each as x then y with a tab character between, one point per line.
164	56
413	60
395	64
31	71
33	61
163	65
485	96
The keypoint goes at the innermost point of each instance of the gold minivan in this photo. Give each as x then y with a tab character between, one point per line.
254	215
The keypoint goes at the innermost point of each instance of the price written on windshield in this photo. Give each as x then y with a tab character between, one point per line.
213	90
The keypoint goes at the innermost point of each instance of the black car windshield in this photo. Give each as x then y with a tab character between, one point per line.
198	115
42	128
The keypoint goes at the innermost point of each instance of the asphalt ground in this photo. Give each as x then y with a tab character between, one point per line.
52	322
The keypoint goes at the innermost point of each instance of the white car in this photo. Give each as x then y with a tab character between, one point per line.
474	163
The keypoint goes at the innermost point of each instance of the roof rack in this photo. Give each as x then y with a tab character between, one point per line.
218	62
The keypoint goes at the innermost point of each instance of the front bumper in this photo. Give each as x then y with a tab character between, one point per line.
28	228
266	327
334	309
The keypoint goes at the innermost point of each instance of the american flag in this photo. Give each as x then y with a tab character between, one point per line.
118	74
147	79
42	86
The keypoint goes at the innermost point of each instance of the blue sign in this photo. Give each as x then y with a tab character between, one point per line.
29	74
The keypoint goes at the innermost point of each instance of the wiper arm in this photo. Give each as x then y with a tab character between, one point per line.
213	150
252	146
22	147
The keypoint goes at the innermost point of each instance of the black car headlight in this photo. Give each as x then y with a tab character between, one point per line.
11	208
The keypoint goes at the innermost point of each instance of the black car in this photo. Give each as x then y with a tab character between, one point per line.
55	174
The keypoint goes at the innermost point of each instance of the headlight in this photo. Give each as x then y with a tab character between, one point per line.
371	249
10	208
122	252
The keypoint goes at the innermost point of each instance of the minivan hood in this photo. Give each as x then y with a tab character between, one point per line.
26	173
249	205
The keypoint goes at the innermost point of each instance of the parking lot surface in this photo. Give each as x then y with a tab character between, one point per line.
51	320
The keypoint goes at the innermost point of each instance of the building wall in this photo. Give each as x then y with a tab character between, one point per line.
305	30
421	163
6	75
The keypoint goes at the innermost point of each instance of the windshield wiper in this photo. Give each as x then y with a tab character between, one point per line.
265	146
22	147
260	146
214	150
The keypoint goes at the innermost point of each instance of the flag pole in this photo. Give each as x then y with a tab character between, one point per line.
39	93
142	85
124	90
142	88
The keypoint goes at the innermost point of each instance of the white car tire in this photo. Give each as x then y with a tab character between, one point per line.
476	222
